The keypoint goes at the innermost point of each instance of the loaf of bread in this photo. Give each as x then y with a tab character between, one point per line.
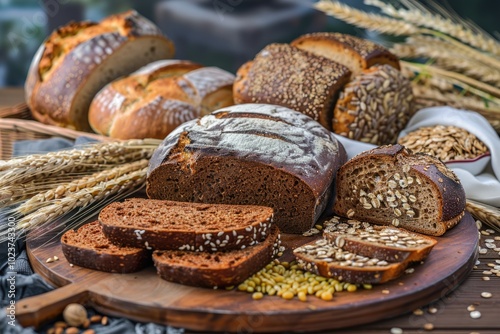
88	247
324	258
156	224
387	243
391	185
219	269
78	59
250	154
350	85
284	75
157	98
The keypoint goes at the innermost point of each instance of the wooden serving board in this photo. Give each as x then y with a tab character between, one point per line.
143	296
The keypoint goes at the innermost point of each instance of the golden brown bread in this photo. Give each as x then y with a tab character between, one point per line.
78	59
157	98
355	53
284	75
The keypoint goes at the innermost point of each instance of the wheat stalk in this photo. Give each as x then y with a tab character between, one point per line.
364	20
83	198
487	214
68	189
420	17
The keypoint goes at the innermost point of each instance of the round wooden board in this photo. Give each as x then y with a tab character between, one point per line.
143	296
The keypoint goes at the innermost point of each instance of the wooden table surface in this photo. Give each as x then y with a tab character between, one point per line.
449	314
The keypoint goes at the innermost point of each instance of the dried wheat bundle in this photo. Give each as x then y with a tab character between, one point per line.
461	63
487	214
41	188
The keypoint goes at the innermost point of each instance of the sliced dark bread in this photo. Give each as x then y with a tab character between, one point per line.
324	258
169	225
391	185
88	247
216	269
387	243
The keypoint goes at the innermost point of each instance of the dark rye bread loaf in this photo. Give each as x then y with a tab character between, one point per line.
250	154
387	243
390	185
216	269
156	224
88	247
324	258
284	75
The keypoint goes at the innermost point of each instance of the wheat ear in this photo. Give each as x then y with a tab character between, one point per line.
487	214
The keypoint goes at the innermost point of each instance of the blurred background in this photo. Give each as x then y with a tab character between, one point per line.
222	33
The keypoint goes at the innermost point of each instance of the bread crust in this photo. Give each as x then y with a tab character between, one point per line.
360	53
101	257
283	75
231	268
72	54
441	182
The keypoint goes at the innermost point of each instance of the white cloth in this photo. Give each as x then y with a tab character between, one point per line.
483	185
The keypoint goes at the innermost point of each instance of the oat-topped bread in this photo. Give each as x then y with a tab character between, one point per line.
88	247
387	243
216	269
250	154
391	185
157	98
324	258
284	75
78	59
156	224
355	53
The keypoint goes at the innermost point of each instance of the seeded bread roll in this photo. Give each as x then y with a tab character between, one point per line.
390	185
357	54
250	154
77	60
387	243
88	247
374	106
157	98
168	225
324	258
284	75
216	269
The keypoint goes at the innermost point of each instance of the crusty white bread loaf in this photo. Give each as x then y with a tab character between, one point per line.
387	243
374	106
357	54
155	224
215	270
78	59
250	154
157	98
324	258
390	185
284	75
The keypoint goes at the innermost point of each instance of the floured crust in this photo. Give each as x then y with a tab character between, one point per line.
68	63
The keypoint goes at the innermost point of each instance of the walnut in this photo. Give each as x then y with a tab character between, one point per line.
75	314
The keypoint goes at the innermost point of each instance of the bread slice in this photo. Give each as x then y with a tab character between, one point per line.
388	243
216	269
88	247
78	59
324	258
391	185
169	225
283	75
250	154
355	53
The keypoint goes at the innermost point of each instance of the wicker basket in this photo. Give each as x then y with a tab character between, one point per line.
17	124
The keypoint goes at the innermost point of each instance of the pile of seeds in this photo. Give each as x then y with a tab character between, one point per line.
444	142
288	280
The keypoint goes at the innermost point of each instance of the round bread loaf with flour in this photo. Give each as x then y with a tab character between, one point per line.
78	59
157	98
391	185
250	154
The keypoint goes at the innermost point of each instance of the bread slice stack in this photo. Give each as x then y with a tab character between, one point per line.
223	244
360	252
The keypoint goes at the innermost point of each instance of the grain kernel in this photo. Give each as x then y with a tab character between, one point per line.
287	295
327	296
257	295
